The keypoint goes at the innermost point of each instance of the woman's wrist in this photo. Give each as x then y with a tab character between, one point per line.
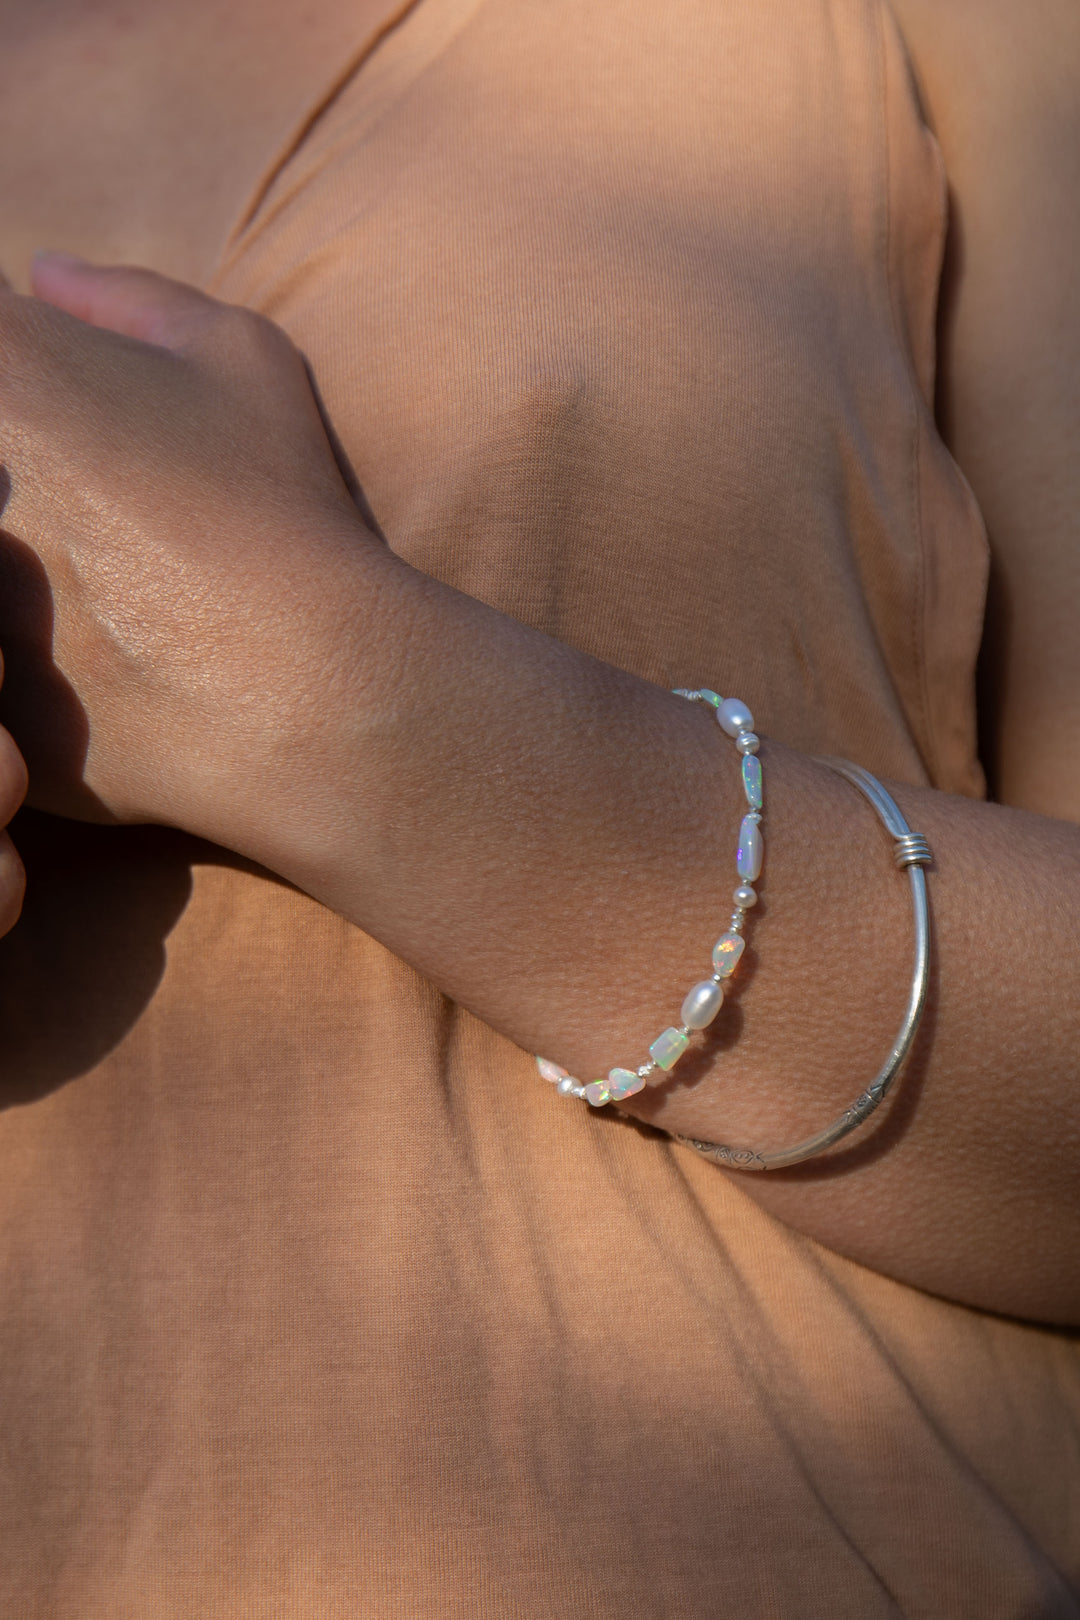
274	759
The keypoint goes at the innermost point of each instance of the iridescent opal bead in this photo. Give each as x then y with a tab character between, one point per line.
551	1071
751	849
597	1093
624	1083
712	698
751	780
669	1047
726	953
702	1004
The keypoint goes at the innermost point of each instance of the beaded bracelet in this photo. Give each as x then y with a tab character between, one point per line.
704	1000
911	853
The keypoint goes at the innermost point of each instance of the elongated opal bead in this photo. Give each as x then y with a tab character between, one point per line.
713	699
751	850
551	1071
624	1083
597	1093
669	1047
702	1004
726	953
734	717
751	780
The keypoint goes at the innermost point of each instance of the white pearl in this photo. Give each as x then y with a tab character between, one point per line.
566	1087
744	896
747	743
702	1004
734	717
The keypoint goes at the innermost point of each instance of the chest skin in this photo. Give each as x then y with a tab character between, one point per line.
135	130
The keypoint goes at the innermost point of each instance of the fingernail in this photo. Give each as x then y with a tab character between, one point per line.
57	256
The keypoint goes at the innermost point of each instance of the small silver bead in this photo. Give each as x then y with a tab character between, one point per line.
738	917
567	1087
747	743
645	1070
744	896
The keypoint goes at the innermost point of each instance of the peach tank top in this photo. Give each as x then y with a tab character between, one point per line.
316	1302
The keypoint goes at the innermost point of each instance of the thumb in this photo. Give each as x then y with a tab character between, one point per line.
137	303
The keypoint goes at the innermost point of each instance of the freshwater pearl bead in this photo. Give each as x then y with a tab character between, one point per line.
751	849
702	1004
747	743
566	1087
669	1047
744	896
552	1071
734	717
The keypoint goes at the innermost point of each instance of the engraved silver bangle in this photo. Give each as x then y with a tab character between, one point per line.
911	853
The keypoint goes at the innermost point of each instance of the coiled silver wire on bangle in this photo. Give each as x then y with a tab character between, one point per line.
911	852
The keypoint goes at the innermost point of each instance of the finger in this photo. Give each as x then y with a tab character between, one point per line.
121	298
12	884
13	778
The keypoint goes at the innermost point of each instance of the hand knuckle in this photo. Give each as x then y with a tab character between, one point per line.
13	778
12	884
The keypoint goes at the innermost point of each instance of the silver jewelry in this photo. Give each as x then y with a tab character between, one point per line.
704	1000
911	853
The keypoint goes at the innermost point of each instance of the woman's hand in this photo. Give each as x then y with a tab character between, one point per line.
12	793
175	521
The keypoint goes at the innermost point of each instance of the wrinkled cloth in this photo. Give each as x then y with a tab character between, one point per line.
314	1300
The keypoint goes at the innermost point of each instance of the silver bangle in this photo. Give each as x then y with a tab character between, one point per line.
911	852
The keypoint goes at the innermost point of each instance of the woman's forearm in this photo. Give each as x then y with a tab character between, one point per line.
551	841
548	839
